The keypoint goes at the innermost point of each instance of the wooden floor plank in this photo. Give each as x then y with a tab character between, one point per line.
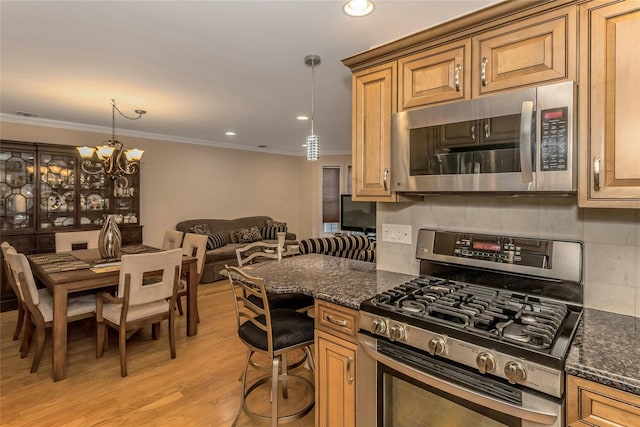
198	388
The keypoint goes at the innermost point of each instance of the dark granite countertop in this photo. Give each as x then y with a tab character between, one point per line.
606	350
338	280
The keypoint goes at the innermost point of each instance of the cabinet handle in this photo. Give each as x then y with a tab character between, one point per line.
456	78
335	321
483	71
596	173
473	132
384	179
349	366
487	128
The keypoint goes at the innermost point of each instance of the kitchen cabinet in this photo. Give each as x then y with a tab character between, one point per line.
593	404
473	59
45	188
437	75
374	101
529	52
608	104
336	359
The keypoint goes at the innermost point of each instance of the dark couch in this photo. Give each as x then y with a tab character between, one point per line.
217	258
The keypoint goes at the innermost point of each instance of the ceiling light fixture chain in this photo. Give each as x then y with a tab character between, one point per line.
113	159
312	140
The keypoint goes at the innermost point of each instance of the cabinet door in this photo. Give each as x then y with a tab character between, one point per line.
57	174
609	109
437	75
593	404
335	381
17	188
526	53
374	102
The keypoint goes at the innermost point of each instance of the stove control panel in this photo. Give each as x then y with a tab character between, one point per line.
555	259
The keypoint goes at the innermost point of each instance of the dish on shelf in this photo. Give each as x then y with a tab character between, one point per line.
84	220
95	201
45	190
55	202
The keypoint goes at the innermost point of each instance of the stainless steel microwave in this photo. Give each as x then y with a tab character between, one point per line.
520	141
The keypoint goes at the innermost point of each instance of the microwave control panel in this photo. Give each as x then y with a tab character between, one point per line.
554	139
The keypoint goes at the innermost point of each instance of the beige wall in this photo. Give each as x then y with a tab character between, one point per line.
182	181
611	237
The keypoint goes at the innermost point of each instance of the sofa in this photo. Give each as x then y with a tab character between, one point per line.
356	247
227	235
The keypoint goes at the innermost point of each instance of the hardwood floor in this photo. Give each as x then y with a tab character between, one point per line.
198	388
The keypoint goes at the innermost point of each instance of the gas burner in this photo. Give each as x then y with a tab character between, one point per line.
412	306
517	332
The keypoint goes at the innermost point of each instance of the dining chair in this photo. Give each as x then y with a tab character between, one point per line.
172	239
271	333
67	241
193	245
147	292
14	287
39	304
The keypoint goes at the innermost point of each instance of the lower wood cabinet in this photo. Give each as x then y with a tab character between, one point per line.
336	359
593	404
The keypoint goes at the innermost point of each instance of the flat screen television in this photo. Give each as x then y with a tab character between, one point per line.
357	216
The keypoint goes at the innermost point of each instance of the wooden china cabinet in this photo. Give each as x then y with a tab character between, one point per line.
45	188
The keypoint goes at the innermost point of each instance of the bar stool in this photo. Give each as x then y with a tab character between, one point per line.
272	333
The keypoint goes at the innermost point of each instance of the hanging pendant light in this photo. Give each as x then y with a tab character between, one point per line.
312	140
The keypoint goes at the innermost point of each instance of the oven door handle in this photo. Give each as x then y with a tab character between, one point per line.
527	414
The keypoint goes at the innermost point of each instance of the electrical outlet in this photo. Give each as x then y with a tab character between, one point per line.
396	233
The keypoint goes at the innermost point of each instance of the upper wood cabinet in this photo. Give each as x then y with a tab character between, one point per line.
526	53
374	101
609	129
436	75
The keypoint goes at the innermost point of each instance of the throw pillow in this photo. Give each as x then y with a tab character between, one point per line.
269	231
201	229
246	235
215	241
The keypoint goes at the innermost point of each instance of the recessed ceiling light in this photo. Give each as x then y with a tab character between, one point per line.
230	133
302	118
304	145
358	7
27	114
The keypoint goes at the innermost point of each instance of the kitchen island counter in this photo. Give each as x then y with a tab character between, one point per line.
342	281
606	350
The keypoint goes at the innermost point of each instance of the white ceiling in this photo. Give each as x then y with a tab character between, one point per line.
199	68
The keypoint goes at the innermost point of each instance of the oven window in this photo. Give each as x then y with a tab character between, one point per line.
406	403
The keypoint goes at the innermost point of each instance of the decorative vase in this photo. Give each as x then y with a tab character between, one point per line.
110	240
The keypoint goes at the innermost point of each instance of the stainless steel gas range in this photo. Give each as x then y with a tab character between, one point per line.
480	338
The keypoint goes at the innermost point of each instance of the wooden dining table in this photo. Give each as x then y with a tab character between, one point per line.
81	270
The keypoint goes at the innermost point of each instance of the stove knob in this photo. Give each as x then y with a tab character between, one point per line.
436	346
396	333
378	327
515	372
486	363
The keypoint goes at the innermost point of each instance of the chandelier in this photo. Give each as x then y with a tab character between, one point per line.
113	159
312	140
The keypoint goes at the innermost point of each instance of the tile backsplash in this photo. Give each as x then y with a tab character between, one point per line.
611	237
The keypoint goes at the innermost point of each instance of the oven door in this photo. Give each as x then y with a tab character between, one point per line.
398	387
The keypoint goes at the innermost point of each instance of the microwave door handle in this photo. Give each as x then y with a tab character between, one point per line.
526	165
522	412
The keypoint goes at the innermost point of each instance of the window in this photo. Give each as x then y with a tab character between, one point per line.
330	199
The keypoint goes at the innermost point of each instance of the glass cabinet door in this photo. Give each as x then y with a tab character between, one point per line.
57	172
94	193
17	190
